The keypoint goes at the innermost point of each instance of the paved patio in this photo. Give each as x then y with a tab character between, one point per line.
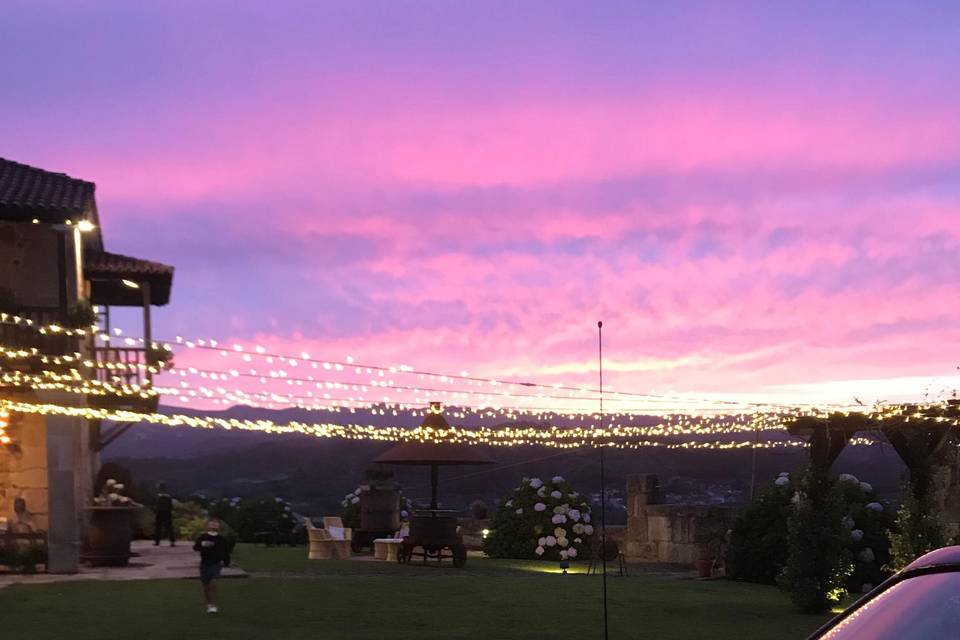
149	563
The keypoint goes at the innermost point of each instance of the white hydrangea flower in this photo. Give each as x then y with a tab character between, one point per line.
278	499
586	517
519	511
542	492
784	474
551	541
574	494
111	482
539	507
572	552
539	551
588	529
867	555
847	522
874	506
578	540
563	555
573	514
782	481
541	541
856	535
867	487
560	532
556	495
344	503
578	528
508	503
404	514
557	479
114	496
848	477
118	487
354	499
536	483
563	542
558	519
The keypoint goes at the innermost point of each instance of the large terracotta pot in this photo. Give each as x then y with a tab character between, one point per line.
109	536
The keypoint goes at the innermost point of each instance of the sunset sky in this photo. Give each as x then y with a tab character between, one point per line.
758	199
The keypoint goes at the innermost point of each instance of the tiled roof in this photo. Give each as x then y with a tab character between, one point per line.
28	192
105	263
107	271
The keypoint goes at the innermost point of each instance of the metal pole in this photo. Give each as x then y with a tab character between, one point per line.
603	492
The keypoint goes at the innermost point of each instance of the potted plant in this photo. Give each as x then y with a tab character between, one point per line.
110	526
160	357
81	315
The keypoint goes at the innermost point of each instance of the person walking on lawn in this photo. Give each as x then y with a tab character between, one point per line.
214	554
163	510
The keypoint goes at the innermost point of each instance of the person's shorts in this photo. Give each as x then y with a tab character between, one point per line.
209	573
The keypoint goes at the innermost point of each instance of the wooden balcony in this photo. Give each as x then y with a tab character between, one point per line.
26	338
124	367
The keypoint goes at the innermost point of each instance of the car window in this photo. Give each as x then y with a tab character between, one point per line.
921	608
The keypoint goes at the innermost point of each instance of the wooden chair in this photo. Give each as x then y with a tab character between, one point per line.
321	546
339	535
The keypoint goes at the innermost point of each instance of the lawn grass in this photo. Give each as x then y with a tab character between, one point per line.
490	600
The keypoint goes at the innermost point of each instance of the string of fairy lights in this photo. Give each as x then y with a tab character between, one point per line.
554	415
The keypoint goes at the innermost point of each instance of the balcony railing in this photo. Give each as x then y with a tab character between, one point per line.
122	365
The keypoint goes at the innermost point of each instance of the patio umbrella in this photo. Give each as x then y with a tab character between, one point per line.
432	454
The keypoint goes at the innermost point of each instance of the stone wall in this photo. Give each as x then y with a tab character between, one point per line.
23	469
670	533
29	266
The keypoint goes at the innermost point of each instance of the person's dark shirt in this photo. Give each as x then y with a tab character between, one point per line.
164	504
216	552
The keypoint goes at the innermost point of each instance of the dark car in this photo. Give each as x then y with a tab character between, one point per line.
922	602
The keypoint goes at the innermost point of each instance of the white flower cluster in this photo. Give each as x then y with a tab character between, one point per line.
782	480
112	495
571	523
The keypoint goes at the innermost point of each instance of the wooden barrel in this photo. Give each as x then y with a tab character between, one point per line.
380	507
109	536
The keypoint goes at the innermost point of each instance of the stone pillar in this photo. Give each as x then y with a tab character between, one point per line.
63	454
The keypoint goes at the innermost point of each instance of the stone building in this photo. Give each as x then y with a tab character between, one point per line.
671	533
56	275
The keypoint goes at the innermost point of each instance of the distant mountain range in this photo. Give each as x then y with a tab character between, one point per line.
315	473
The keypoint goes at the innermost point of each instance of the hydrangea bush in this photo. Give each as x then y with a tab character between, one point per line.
760	539
541	519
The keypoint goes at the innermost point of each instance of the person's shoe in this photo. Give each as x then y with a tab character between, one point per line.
212	608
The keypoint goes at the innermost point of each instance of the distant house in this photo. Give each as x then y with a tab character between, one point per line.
54	270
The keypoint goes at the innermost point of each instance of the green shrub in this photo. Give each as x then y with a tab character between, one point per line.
819	563
559	528
23	558
917	530
250	516
758	541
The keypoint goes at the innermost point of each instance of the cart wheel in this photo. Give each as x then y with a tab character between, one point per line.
459	555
